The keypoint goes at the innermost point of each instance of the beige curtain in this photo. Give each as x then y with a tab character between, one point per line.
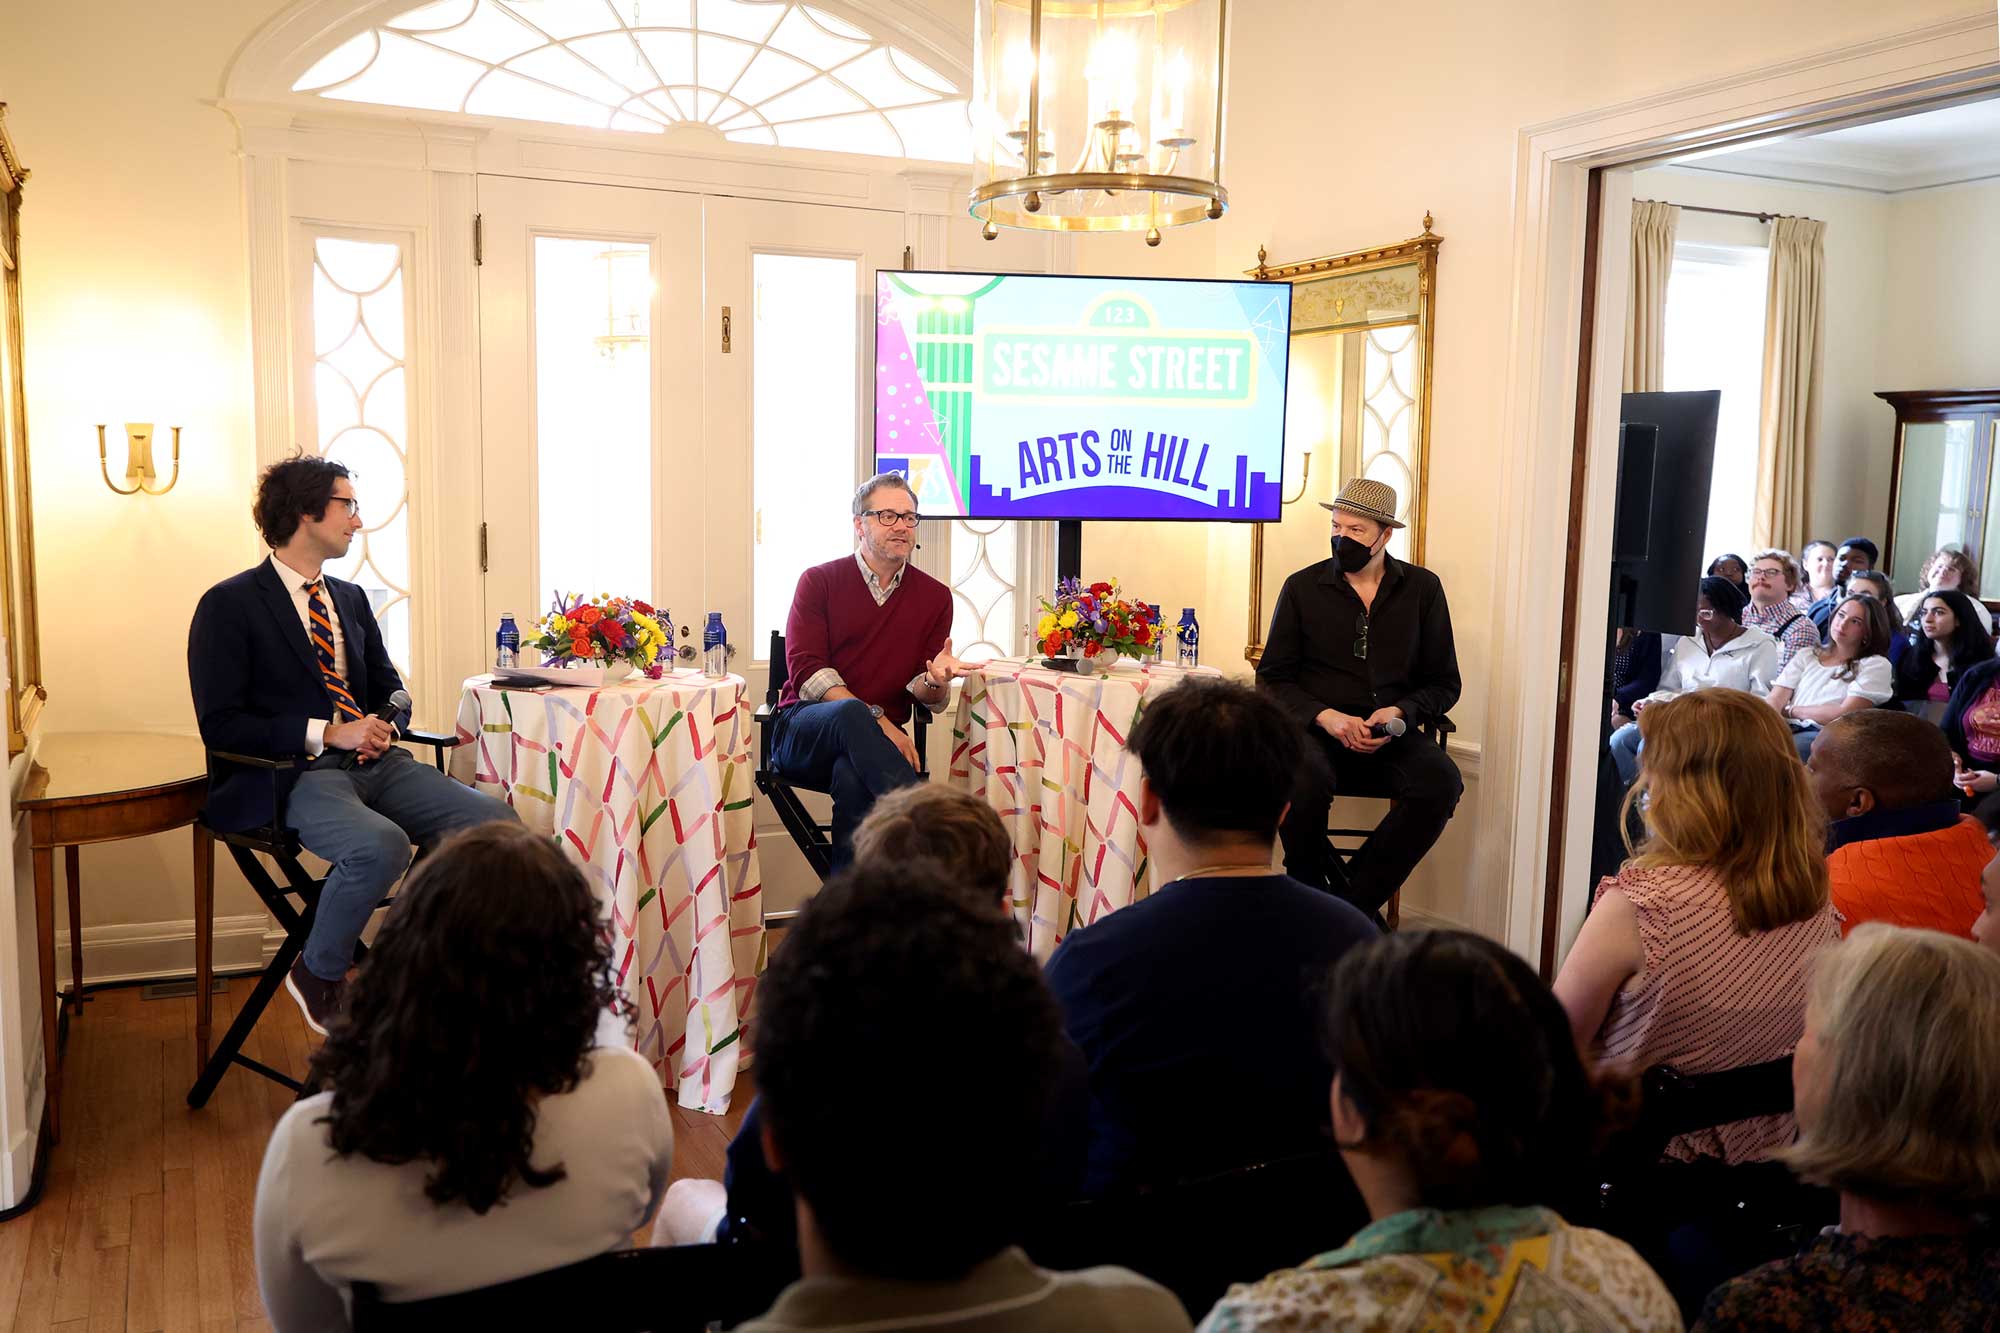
1653	227
1794	350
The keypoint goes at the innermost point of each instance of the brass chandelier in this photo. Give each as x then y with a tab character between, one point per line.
1122	102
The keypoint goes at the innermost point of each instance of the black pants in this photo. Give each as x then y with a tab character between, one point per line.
1411	771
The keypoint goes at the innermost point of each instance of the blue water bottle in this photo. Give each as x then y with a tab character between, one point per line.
1159	633
507	642
714	648
1189	634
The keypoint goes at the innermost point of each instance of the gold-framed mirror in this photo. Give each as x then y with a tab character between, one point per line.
18	615
1357	402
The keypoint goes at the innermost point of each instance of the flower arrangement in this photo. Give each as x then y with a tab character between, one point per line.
1094	619
603	629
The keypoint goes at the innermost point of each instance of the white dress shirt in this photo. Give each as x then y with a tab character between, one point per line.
295	583
1747	662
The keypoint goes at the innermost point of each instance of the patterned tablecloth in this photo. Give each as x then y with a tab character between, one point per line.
1047	751
648	785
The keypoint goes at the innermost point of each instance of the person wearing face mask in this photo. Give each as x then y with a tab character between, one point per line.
1359	642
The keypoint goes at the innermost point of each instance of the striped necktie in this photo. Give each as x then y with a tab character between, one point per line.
322	637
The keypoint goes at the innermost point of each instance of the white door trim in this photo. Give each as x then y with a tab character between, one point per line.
1891	75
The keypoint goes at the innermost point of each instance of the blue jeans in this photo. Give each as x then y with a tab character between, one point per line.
839	749
1625	745
363	820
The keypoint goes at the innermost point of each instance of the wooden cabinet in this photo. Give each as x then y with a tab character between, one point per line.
1945	489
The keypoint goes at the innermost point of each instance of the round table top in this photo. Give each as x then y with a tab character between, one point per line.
88	767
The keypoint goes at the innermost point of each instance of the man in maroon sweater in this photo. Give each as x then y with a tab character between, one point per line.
867	633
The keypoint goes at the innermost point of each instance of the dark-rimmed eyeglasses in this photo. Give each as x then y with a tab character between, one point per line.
353	505
889	518
1361	636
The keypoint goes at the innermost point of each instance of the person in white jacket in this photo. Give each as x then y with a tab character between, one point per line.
1722	651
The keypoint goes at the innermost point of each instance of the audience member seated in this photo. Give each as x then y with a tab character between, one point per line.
1466	1117
470	1134
1949	568
1635	671
1898	848
1856	555
1721	653
1850	673
1819	562
1986	930
1869	583
1949	639
1971	727
906	1047
1207	982
1733	567
1773	579
1695	953
1896	1082
960	832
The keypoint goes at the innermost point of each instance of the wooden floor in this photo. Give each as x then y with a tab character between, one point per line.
145	1221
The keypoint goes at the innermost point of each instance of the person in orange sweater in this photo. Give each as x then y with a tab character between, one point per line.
1898	848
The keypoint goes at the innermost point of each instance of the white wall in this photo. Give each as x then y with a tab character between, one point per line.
1941	327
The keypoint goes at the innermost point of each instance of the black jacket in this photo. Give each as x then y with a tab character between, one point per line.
1965	691
1309	662
256	680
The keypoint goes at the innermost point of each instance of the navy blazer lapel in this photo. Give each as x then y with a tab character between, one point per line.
278	601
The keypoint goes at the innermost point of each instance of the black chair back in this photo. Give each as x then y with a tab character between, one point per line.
663	1289
780	672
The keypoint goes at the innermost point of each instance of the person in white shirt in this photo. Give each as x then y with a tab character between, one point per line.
471	1133
1722	651
1949	569
1851	673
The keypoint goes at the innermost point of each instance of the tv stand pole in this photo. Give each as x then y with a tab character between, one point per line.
1069	548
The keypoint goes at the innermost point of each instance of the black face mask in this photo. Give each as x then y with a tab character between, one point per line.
1352	556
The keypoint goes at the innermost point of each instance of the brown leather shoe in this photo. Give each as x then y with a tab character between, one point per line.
320	1001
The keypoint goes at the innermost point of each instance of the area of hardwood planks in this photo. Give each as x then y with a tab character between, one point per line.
145	1221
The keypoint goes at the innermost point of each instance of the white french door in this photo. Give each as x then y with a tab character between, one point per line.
590	316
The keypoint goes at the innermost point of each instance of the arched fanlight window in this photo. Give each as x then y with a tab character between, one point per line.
758	71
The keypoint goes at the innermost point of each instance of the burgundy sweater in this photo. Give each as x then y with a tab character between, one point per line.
834	622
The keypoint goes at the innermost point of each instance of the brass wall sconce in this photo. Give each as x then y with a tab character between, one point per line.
1305	473
139	460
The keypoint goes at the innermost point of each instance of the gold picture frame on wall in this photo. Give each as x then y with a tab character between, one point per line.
19	616
1374	295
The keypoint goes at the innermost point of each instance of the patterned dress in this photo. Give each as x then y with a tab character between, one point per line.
1708	998
1509	1270
1867	1284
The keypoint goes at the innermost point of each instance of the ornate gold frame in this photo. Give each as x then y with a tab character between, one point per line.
1422	251
19	616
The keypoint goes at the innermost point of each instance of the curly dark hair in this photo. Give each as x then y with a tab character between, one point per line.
1463	1066
482	994
893	957
293	488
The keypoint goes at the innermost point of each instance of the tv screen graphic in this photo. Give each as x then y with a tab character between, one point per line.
1023	396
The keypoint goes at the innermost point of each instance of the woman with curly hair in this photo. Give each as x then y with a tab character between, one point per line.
1466	1118
471	1133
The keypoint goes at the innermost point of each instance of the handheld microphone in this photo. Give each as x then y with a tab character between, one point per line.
398	702
1393	727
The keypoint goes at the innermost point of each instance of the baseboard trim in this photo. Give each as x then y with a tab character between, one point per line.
150	950
1416	918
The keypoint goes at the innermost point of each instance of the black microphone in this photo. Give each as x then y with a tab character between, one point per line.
398	702
1393	727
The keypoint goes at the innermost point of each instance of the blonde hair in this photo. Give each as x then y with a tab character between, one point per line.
1722	787
954	828
1786	561
1910	1053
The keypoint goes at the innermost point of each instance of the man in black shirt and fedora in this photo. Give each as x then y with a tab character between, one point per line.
1360	653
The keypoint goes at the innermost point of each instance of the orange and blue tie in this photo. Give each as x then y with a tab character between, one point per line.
322	637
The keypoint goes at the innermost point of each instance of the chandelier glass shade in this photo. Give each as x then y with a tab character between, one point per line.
1123	102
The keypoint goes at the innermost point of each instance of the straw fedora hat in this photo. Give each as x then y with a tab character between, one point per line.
1370	499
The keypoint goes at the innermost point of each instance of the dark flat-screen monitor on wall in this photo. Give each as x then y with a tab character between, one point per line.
1663	475
1028	396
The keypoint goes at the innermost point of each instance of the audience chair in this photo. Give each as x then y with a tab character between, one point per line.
280	843
812	837
661	1289
1701	1223
1197	1237
1347	841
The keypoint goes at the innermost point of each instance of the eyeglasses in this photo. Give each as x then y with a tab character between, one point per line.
1361	631
353	505
1759	572
889	518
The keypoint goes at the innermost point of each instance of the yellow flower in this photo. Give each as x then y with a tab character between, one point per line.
556	625
1045	627
1068	619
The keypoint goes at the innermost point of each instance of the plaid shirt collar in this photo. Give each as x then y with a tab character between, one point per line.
876	587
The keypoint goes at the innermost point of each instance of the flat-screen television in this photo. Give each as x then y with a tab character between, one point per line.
1028	396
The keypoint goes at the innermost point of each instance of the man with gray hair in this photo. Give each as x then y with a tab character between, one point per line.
867	633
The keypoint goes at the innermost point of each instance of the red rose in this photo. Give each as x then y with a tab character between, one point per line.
1052	645
1099	589
1090	649
614	633
1142	635
642	608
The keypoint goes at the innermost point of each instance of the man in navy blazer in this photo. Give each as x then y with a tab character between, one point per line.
286	660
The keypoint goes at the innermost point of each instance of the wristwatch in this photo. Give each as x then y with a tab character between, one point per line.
875	711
